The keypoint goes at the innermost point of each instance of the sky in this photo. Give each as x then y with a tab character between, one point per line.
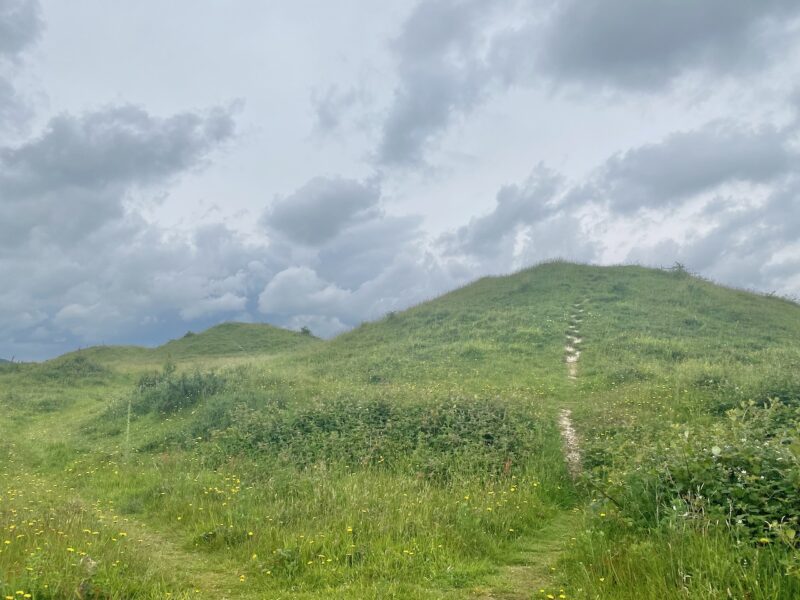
166	166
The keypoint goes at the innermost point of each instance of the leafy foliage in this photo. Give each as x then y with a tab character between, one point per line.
435	440
167	392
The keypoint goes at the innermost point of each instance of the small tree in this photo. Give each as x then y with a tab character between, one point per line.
305	330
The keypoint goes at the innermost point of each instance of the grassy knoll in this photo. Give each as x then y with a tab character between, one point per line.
420	456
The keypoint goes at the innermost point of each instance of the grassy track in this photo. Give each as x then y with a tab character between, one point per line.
420	456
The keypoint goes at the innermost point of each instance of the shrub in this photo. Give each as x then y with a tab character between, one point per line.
436	440
168	392
743	471
70	368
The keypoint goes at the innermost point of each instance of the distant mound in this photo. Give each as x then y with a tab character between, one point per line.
227	339
234	339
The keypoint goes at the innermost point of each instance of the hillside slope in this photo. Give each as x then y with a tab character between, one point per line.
568	430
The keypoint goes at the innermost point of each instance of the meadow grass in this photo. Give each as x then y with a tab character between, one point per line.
419	456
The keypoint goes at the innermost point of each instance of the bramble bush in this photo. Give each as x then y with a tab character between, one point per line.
167	392
431	438
743	471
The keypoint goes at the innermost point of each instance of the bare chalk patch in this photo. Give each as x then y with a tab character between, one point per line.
572	449
571	351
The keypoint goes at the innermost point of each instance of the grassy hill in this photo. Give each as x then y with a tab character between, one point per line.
242	340
426	455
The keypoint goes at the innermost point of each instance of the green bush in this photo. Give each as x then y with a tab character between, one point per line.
744	471
69	369
433	439
167	392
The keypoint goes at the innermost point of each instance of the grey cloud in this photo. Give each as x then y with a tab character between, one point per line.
442	72
299	290
689	163
367	248
300	296
20	26
331	107
516	207
13	111
118	145
452	54
530	222
321	209
751	246
77	174
82	261
561	235
346	260
319	325
647	45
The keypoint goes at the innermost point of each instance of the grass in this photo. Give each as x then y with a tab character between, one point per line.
419	456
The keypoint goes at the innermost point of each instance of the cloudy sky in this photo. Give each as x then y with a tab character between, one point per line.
165	166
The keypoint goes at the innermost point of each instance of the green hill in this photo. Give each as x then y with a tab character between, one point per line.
567	431
244	340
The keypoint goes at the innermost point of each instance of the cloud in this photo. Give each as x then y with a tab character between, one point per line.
648	45
346	260
20	27
441	73
76	176
85	264
321	209
516	207
332	106
749	245
686	164
454	55
529	223
300	290
364	251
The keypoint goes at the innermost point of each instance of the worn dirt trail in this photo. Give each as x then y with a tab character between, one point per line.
572	355
532	569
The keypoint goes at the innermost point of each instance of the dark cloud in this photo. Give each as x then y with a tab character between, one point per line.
321	209
688	163
647	45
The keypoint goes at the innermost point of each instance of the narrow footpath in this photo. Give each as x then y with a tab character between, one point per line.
532	574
